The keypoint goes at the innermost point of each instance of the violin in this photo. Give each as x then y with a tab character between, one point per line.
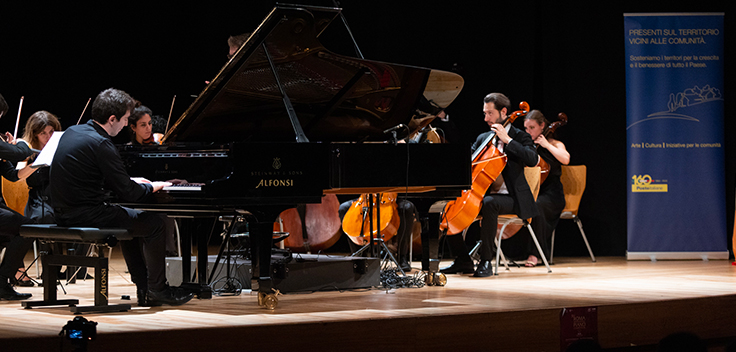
357	223
487	164
311	227
544	166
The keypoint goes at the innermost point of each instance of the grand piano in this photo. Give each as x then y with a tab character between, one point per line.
286	121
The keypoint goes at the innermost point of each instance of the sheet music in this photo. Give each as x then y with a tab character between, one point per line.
47	153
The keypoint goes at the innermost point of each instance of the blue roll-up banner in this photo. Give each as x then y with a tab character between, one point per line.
675	136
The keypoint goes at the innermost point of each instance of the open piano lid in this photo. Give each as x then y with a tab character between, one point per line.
336	98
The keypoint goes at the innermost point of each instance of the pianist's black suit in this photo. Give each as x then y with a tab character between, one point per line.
86	161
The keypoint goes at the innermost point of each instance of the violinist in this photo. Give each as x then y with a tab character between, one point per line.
140	126
551	198
16	247
39	128
510	193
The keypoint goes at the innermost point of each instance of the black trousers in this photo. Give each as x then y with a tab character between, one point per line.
16	247
145	255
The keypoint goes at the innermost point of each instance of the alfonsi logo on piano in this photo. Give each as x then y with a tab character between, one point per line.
275	183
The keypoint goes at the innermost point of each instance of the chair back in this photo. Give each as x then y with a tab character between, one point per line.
533	177
573	184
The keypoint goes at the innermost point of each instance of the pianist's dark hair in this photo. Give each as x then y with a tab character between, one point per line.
110	102
499	101
3	105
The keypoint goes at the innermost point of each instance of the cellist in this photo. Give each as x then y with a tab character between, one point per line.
551	198
510	193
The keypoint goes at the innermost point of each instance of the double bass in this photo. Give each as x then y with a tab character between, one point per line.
487	164
311	227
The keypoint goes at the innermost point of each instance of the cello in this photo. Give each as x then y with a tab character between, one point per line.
487	163
356	221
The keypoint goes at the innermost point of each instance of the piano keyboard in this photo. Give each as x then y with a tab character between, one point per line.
184	187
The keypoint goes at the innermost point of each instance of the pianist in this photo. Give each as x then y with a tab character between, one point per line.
85	162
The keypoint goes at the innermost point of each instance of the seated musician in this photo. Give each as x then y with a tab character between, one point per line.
510	193
16	247
141	126
86	161
551	198
407	216
39	128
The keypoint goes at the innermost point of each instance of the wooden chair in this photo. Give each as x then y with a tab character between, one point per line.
573	182
532	175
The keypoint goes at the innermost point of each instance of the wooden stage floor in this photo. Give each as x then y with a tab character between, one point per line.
637	303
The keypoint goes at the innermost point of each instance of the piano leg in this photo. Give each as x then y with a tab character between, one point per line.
261	239
430	251
430	244
199	288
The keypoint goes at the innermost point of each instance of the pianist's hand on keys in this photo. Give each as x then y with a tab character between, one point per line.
157	185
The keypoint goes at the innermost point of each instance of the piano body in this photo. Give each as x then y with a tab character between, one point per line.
286	121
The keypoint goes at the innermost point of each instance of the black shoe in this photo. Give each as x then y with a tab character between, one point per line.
173	296
142	296
22	283
458	268
404	264
485	269
8	293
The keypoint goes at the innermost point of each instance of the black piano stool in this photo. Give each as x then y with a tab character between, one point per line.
87	235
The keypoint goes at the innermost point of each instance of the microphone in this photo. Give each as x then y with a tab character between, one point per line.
399	126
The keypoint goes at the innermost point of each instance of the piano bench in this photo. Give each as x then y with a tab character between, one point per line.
96	237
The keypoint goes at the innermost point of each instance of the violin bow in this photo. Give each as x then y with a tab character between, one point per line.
166	130
17	120
83	110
